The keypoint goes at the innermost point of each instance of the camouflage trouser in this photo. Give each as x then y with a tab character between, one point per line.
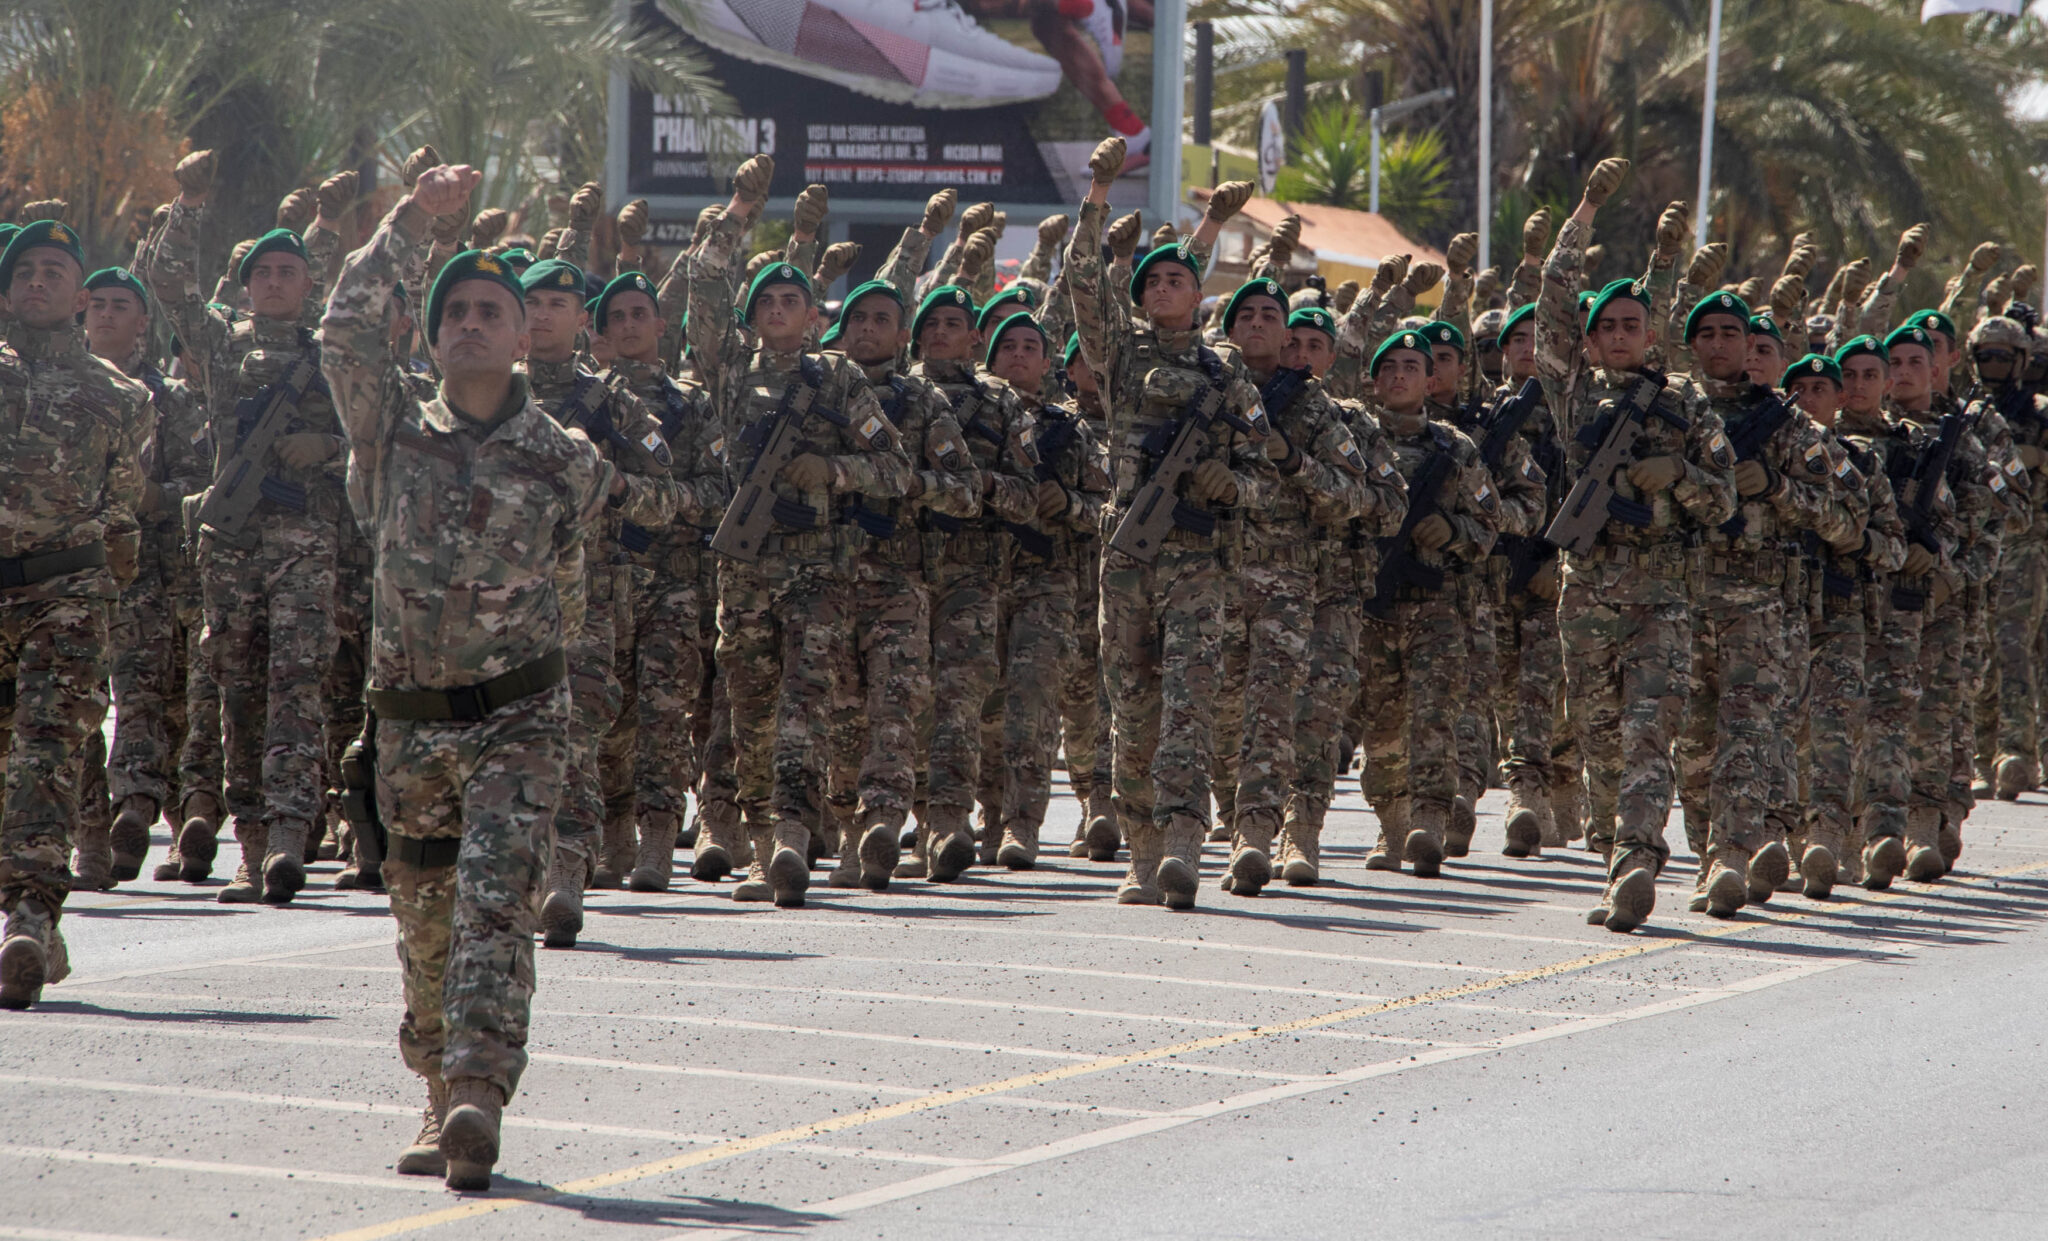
1836	724
718	782
1475	725
965	671
1327	693
618	748
781	623
1944	695
1976	675
54	653
1727	777
1226	736
147	641
270	636
1037	642
1525	696
1627	638
1891	677
662	689
347	674
1785	815
2014	674
1411	671
595	697
465	932
1161	641
1279	608
1084	699
884	688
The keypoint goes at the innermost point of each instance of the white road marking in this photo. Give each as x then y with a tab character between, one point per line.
403	1184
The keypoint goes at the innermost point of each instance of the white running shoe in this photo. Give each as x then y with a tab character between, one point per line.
926	53
1105	25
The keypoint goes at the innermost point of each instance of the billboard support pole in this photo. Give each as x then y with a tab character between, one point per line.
618	122
1169	19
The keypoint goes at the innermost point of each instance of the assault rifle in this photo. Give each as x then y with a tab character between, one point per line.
1398	563
1748	441
1156	508
755	507
1592	499
224	508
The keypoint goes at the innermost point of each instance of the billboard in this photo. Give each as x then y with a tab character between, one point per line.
888	101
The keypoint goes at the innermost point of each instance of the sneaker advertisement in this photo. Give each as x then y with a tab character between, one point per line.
887	101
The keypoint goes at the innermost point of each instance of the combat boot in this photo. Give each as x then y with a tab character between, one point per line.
1698	903
1923	844
333	844
1147	842
847	873
168	869
615	852
423	1157
1180	864
1103	836
1251	854
1219	833
561	912
1526	804
789	864
718	845
1458	832
1980	783
198	838
1884	860
988	839
686	836
911	862
1567	811
656	856
2014	776
1424	846
1020	845
93	868
469	1133
1301	843
1768	868
130	834
1631	893
880	850
246	888
949	846
756	887
1949	838
284	861
32	954
1390	850
1727	887
1818	869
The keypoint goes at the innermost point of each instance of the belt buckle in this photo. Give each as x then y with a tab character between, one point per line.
467	705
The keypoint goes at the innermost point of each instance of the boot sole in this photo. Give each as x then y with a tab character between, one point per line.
1250	871
282	879
1137	896
1882	863
421	1161
1818	872
197	846
643	880
789	873
1727	894
1768	870
1300	874
711	864
753	891
1924	865
881	850
1635	895
1103	841
23	967
952	859
130	842
1424	854
1525	835
1177	882
1017	857
560	922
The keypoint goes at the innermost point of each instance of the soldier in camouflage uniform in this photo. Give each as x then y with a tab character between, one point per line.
1346	562
781	615
72	432
1625	614
270	577
1084	695
1160	620
627	436
478	520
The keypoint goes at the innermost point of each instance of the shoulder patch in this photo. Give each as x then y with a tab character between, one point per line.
1720	449
1348	455
876	432
1816	459
656	447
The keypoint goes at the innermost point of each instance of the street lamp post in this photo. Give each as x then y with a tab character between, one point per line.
1485	133
1704	214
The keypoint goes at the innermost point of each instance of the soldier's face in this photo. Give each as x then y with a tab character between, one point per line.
114	320
782	315
278	284
1620	339
1945	356
1490	363
947	335
1402	382
1260	331
1170	296
1721	347
1519	354
1313	348
1448	373
552	321
483	331
47	288
1995	363
634	326
1864	380
1083	376
1766	364
1912	375
1819	397
1020	359
871	330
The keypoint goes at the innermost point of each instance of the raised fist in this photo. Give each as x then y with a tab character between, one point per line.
811	206
549	244
1751	290
444	190
1227	200
1288	232
449	227
1788	295
1671	229
1912	244
2024	278
975	256
633	222
1596	258
1164	235
838	259
752	180
584	205
1486	284
418	162
1605	179
489	225
1422	278
976	218
295	210
938	209
1346	294
1463	249
1708	262
338	194
1123	236
44	209
1803	256
1392	270
1052	230
1855	279
999	222
195	174
1536	233
1107	161
1985	256
706	220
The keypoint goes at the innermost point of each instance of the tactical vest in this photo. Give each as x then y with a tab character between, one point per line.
268	359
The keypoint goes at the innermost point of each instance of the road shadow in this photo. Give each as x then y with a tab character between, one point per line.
219	1016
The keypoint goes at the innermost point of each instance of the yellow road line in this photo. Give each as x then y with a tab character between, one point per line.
475	1208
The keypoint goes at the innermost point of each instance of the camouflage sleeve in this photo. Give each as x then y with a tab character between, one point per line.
1056	316
1886	550
355	334
322	244
1524	499
1118	284
1012	487
586	483
184	449
1037	265
945	468
1961	287
1557	338
1338	489
572	245
717	343
671	301
1667	296
878	467
1103	320
646	469
1385	498
1805	494
1474	508
1875	316
172	274
1526	285
984	286
1707	488
949	264
803	255
1346	376
900	270
1087	501
2001	452
127	484
1456	308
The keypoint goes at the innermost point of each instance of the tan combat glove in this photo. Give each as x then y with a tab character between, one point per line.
1106	162
1707	264
1227	200
418	162
1464	248
1052	230
585	205
1672	226
809	215
1605	178
296	209
1123	236
838	259
489	225
194	175
1536	235
938	209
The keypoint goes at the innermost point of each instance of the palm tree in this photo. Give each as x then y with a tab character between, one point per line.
1330	161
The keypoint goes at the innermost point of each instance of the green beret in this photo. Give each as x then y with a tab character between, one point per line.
518	258
1908	333
625	282
468	265
1616	291
1171	252
1716	304
774	273
1017	297
1935	321
1520	315
1764	325
878	287
275	241
1316	317
34	236
7	232
1861	346
1021	318
1264	286
1072	351
938	299
1437	332
550	276
1400	340
118	278
1812	364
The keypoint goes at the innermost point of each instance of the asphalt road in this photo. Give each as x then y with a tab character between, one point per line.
1017	1055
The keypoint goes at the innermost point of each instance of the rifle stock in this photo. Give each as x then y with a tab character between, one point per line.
225	507
1592	500
751	514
